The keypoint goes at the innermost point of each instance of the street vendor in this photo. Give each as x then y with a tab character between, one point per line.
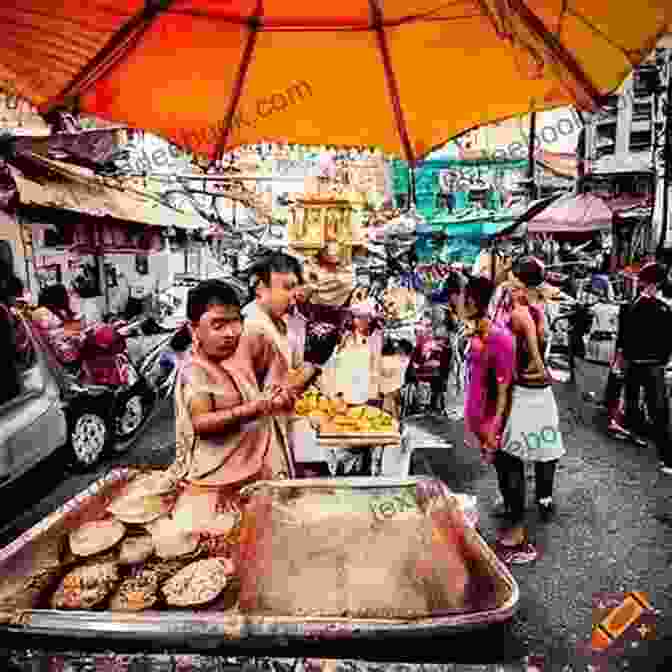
355	369
329	288
227	432
276	280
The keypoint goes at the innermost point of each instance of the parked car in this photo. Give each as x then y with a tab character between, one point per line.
34	424
56	410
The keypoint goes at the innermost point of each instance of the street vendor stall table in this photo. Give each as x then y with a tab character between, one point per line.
229	628
367	455
360	454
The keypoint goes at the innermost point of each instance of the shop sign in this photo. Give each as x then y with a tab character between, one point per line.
298	169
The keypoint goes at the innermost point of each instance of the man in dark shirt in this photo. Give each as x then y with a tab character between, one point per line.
644	347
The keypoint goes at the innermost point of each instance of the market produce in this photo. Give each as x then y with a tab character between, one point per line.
197	584
86	586
96	537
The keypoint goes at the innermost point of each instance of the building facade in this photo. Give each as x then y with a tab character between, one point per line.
622	152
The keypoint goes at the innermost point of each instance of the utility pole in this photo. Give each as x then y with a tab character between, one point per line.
531	167
667	157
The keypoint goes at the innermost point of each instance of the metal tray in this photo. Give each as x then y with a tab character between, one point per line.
210	628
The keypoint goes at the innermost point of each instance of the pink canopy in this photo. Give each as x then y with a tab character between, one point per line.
572	214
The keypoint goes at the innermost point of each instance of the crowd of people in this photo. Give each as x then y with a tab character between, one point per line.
250	364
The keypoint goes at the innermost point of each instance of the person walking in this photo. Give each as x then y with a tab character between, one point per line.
489	372
643	350
532	432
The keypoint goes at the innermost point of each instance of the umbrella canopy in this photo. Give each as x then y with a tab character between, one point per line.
573	214
403	75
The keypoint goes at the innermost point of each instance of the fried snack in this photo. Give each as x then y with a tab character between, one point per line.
29	594
197	584
86	586
136	593
162	570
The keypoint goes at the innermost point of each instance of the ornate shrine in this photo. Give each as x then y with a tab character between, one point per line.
315	222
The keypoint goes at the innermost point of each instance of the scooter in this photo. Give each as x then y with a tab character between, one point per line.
107	402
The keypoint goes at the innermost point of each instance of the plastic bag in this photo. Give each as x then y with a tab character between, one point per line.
383	552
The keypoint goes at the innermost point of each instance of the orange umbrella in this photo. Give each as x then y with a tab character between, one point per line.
403	75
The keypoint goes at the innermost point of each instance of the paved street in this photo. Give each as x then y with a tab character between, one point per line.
613	532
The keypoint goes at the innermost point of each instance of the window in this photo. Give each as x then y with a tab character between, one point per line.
645	81
640	141
605	150
402	201
609	111
17	355
606	132
442	201
641	112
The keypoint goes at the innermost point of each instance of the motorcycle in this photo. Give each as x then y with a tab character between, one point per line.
109	398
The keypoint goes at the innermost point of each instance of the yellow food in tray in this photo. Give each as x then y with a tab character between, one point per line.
336	417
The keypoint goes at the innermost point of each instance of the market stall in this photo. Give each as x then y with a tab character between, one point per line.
136	558
352	438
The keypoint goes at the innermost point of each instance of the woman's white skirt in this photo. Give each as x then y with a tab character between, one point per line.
532	431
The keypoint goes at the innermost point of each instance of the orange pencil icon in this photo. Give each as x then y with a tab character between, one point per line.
619	620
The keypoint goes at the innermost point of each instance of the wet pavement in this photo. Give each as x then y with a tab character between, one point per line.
612	533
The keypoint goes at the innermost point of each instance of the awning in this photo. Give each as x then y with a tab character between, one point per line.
48	183
518	228
89	147
573	214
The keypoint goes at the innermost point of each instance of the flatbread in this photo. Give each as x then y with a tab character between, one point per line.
95	537
170	541
196	512
155	483
136	549
198	583
140	509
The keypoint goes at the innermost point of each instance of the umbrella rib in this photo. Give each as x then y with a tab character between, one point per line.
558	49
119	45
254	23
392	83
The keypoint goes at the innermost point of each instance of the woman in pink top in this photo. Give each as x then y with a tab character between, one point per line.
490	366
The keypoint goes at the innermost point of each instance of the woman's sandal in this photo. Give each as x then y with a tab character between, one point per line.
522	554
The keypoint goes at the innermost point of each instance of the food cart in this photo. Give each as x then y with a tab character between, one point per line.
353	440
54	591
